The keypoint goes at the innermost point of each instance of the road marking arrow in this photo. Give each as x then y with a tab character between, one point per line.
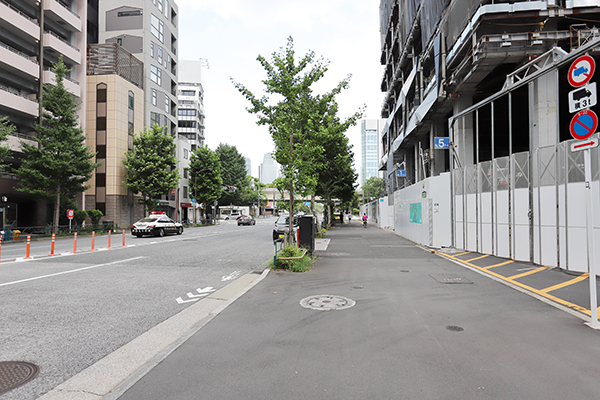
181	301
206	290
231	276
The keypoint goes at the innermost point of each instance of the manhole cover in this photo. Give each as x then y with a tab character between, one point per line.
15	373
450	278
454	328
325	302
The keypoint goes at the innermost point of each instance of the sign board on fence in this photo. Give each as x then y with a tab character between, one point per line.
401	173
582	145
441	143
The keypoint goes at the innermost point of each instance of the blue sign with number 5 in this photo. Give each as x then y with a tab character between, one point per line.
441	143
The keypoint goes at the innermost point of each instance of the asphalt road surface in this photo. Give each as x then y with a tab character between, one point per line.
66	312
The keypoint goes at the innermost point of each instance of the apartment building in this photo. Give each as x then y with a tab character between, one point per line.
477	115
33	35
115	113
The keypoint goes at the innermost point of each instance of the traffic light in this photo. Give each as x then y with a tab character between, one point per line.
233	189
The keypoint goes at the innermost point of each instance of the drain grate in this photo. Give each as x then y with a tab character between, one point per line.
325	302
15	373
454	328
450	278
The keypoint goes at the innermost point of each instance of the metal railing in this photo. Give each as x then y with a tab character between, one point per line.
65	5
62	40
20	53
21	13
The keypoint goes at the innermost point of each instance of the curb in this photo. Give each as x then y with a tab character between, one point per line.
114	374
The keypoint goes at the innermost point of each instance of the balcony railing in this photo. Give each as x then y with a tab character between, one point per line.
68	8
35	21
66	77
16	92
32	59
62	40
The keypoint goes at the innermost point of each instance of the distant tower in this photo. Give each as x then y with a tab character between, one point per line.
269	169
370	129
248	166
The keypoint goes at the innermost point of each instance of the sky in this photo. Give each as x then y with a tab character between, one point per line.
231	34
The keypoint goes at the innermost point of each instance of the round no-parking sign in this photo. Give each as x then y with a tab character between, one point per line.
584	124
581	71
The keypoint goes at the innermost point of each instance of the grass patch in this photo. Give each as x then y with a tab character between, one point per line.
294	259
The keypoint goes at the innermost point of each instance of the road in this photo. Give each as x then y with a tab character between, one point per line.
66	312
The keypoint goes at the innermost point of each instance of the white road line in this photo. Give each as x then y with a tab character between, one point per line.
68	272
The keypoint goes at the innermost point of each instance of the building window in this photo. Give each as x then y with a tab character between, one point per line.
186	124
154	94
188	93
159	56
130	100
160	6
101	180
120	41
100	152
154	118
185	154
156	75
157	27
131	13
167	8
152	49
167	102
185	192
186	112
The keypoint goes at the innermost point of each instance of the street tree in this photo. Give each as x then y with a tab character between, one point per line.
205	176
291	113
151	165
58	166
5	128
234	174
373	188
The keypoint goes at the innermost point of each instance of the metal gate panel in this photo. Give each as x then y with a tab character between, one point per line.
520	210
501	208
471	207
486	209
459	216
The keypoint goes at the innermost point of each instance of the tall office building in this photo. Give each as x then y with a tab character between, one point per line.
190	130
370	131
269	169
248	165
33	34
148	30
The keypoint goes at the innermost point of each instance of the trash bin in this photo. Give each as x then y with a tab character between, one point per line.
107	225
16	234
306	226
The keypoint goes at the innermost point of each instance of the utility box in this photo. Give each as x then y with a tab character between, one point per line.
306	235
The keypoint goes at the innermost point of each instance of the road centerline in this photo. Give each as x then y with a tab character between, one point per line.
68	272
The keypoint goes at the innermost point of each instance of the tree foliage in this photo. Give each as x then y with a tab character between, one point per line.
151	165
373	188
205	176
295	115
234	174
59	165
5	128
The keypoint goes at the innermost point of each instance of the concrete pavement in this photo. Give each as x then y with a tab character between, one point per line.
409	324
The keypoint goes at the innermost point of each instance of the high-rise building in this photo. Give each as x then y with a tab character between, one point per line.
370	136
190	130
115	113
248	165
269	169
148	30
32	37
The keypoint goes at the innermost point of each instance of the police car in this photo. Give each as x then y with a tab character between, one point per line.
157	224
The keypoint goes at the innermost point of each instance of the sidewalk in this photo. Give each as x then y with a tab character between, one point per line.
406	323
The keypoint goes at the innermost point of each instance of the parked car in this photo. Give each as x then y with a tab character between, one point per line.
156	224
246	220
282	225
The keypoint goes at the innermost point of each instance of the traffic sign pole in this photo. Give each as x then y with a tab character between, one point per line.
589	225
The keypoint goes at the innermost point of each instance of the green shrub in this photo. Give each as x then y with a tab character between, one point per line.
95	216
298	265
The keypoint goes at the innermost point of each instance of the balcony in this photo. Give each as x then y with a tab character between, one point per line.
60	46
17	102
15	139
71	85
18	63
62	15
16	21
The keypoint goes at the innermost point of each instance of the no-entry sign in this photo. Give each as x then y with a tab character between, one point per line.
584	124
581	71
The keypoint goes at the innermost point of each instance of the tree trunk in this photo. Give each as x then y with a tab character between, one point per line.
314	213
291	224
57	209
